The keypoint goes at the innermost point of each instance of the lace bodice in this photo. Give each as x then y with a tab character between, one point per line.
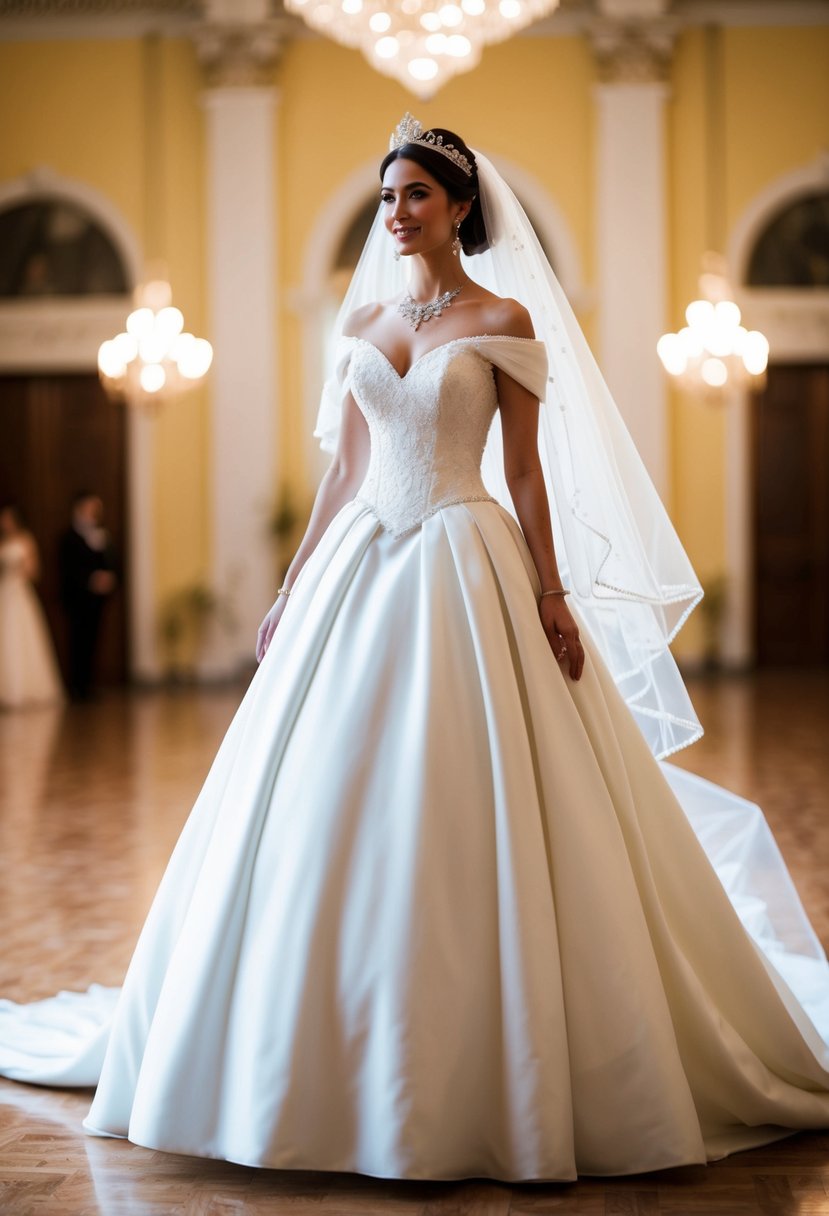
429	428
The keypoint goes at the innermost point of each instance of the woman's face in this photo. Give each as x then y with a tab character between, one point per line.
8	521
418	212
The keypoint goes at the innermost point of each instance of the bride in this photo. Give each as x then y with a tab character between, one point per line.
439	910
28	667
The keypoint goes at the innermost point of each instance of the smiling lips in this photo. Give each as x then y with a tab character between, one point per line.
403	233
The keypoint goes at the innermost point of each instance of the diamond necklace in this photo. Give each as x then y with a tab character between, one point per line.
416	313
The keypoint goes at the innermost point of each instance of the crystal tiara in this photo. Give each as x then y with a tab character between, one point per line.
409	131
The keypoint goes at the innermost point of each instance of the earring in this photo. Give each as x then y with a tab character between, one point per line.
456	243
396	254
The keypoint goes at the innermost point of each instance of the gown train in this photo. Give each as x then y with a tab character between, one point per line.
437	911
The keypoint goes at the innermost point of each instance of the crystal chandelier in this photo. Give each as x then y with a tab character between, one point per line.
153	358
714	351
422	43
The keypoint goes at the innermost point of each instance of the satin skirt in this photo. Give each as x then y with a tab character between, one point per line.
438	913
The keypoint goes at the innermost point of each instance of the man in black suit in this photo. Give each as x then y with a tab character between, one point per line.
87	575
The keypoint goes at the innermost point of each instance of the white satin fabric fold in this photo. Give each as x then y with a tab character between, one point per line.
467	931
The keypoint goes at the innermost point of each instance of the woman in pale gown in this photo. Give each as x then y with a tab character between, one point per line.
438	911
28	669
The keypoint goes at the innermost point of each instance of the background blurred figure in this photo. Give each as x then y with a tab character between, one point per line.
28	668
87	575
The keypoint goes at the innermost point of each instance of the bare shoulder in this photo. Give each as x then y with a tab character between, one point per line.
509	319
501	316
361	319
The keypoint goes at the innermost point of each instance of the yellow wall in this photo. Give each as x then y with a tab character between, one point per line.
81	108
774	95
182	447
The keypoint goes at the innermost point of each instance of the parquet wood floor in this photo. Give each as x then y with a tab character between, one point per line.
91	802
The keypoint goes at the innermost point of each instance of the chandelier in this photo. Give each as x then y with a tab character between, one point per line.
422	43
153	358
714	351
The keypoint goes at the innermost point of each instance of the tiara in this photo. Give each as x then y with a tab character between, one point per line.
409	131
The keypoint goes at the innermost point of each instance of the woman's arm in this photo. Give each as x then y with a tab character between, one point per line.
339	486
525	479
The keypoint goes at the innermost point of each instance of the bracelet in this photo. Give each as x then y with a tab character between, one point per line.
283	591
556	591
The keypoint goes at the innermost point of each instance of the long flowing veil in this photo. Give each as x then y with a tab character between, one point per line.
617	549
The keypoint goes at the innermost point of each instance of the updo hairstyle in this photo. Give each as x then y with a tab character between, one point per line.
460	187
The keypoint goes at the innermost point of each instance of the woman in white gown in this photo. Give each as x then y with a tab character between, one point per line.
437	912
28	669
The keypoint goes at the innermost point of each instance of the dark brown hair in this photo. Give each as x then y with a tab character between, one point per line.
460	186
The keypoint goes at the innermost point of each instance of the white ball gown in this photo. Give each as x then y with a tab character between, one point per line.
437	912
28	669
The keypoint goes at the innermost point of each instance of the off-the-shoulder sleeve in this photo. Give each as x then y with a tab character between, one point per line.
525	359
334	390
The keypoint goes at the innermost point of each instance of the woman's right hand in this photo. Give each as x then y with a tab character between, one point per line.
268	627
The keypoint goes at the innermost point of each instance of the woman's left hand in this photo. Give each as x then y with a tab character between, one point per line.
562	633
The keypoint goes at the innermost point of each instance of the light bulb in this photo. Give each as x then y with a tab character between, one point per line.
152	377
458	46
699	313
126	346
423	69
727	313
714	373
691	342
755	352
110	362
450	14
671	352
386	48
140	322
169	323
196	359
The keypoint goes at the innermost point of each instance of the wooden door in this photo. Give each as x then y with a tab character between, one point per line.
791	517
58	435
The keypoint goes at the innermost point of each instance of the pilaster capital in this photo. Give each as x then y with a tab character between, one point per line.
240	54
632	47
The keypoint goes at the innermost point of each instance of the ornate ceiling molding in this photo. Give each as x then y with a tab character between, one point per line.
97	8
31	20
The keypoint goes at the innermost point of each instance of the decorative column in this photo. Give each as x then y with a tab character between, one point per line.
238	47
632	43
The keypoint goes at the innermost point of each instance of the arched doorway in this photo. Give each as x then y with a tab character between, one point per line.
773	291
790	455
61	277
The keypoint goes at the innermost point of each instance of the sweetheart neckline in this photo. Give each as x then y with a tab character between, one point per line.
440	346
